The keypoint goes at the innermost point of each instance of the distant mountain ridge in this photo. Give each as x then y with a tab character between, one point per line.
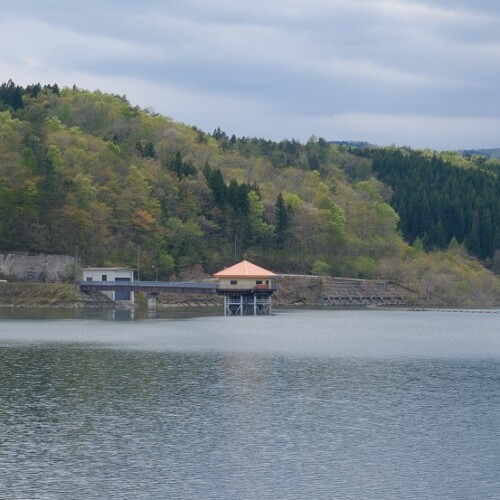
353	144
489	153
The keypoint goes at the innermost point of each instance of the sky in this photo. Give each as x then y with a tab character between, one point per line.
424	74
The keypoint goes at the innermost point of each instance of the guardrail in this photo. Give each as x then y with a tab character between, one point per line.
257	288
149	286
161	284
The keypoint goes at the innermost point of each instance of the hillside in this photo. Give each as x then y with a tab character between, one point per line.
439	202
90	174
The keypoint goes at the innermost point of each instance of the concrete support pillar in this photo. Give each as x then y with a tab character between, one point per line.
241	305
152	301
255	305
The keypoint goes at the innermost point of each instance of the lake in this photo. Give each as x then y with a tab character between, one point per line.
303	404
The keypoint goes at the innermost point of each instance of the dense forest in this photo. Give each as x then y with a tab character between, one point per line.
89	173
437	202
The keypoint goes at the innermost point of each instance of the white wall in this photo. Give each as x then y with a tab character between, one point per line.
110	274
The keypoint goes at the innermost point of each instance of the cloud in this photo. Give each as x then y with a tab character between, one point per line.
388	71
58	45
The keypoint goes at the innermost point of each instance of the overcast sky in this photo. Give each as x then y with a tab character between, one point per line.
404	72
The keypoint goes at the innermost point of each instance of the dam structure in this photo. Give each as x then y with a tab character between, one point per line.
246	287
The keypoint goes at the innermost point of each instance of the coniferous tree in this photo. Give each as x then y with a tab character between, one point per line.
437	201
217	185
282	220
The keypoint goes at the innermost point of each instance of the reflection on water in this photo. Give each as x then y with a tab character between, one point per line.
350	406
120	314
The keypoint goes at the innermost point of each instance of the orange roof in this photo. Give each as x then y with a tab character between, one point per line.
244	269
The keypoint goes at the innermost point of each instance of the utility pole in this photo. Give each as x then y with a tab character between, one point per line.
75	266
138	263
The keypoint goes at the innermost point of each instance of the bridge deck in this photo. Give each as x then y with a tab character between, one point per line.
170	287
149	287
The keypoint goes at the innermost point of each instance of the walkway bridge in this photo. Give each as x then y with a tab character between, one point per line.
150	287
238	300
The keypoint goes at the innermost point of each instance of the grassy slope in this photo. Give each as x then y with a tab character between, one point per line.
46	295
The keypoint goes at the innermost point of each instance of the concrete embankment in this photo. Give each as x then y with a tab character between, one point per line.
340	292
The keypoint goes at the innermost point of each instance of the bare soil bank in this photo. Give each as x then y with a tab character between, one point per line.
48	295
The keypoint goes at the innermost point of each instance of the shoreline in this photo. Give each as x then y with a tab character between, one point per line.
293	292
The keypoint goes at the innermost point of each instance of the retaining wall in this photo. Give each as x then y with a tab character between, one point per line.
20	266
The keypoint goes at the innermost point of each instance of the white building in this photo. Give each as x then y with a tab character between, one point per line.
110	274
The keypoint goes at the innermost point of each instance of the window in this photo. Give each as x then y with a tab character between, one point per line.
233	282
104	277
258	282
89	278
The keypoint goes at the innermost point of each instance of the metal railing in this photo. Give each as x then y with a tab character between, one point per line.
159	284
171	286
236	288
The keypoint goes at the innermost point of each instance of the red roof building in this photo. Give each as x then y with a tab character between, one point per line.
247	289
245	269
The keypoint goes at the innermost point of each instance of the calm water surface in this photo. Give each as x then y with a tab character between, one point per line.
299	405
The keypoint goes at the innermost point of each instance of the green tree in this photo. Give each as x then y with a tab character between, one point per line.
282	217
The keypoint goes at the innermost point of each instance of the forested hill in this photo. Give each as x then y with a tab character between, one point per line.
89	172
438	202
